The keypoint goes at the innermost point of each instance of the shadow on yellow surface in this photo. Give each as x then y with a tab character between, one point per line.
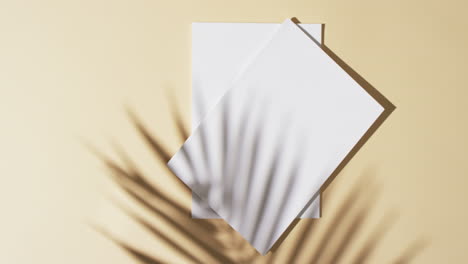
341	240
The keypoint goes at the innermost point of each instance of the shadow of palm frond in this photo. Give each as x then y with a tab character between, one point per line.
214	241
227	176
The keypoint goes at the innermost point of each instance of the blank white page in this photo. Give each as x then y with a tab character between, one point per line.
265	149
220	52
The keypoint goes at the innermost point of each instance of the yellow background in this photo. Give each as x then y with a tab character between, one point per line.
69	68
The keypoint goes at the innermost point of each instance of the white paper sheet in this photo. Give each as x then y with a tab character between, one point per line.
283	127
220	52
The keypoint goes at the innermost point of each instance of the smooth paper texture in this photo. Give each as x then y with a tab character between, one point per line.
263	152
220	52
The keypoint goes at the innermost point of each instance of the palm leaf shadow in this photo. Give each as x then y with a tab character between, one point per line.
215	241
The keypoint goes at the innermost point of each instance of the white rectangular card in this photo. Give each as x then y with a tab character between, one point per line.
220	52
261	154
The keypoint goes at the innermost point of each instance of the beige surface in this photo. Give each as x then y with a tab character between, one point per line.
67	68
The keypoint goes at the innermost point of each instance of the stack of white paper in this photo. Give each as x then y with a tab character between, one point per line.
279	129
